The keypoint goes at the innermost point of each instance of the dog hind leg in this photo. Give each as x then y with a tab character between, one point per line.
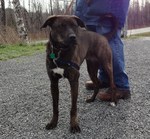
92	68
109	71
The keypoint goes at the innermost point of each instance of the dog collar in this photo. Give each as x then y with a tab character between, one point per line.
61	62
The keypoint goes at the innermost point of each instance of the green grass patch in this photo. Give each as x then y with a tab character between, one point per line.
140	35
14	51
144	34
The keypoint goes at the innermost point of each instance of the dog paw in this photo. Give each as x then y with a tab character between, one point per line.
75	129
50	126
112	104
89	100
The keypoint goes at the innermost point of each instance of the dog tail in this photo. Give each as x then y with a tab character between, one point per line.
110	17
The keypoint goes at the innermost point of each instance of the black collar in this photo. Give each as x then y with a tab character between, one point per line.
62	62
59	62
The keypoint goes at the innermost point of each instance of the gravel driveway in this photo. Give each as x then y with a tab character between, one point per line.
25	101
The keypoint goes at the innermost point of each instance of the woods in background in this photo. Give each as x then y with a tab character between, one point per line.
36	12
139	14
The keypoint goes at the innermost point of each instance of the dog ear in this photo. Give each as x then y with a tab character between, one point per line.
49	22
79	21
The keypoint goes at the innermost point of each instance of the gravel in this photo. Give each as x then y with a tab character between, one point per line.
26	107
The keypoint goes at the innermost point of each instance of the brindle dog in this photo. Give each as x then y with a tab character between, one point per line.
69	44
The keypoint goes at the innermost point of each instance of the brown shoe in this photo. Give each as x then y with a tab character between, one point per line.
105	95
90	86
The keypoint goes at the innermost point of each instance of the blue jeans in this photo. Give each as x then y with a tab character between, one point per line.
116	44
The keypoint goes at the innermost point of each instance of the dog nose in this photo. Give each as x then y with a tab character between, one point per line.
72	37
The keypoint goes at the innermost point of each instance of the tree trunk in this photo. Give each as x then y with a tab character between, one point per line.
51	7
3	15
3	21
19	21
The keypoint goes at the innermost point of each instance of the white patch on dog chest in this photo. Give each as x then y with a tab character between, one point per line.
59	71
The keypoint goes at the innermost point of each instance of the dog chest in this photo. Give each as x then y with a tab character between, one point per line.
59	71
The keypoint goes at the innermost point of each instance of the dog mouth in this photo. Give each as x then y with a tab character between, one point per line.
68	40
64	45
67	43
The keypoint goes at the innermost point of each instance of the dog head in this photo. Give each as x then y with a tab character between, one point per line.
63	28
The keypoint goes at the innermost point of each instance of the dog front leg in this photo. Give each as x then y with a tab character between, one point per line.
74	126
55	98
73	76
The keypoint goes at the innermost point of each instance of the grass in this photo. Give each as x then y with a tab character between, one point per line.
140	35
144	34
14	51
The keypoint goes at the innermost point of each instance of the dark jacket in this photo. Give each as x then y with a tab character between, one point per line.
90	14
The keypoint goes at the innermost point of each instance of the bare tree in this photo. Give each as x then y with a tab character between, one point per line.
56	6
19	21
51	7
3	15
29	4
69	8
